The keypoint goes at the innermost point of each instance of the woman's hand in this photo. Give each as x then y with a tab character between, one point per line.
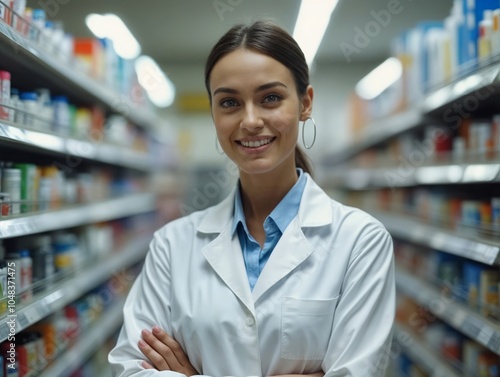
164	353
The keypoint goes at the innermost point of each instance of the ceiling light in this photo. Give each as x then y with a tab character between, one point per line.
112	27
378	80
97	25
159	88
312	21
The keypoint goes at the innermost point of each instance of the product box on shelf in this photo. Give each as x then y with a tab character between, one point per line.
89	53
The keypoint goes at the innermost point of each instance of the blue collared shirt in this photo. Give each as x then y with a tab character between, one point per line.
274	226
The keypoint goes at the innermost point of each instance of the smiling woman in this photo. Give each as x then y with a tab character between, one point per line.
278	279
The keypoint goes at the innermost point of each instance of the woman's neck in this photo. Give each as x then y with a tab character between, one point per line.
261	193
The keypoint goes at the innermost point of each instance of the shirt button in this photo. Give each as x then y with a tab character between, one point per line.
250	321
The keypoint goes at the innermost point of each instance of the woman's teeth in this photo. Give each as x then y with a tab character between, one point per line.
255	144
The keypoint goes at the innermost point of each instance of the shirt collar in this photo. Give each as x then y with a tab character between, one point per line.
282	214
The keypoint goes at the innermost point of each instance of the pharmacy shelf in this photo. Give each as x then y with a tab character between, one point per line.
375	133
424	357
410	229
354	178
95	336
446	306
20	50
69	290
434	104
111	209
99	151
470	84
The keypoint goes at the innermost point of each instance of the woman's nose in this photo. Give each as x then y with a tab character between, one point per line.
251	119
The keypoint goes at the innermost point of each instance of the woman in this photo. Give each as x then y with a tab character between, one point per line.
278	279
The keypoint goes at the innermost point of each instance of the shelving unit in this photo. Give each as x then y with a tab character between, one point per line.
19	50
416	350
95	337
376	132
101	152
78	215
410	229
451	311
355	178
32	64
68	290
421	113
350	171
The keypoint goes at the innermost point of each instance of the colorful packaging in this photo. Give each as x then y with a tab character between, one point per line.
29	186
11	184
488	299
471	351
3	287
4	94
488	365
472	282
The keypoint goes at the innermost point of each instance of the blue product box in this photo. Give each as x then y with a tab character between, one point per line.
474	12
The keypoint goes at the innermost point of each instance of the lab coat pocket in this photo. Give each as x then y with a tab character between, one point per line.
306	326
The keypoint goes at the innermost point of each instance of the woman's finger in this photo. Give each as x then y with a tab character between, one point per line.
166	339
154	355
146	365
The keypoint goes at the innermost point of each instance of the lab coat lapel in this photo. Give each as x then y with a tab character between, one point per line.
224	252
226	258
291	250
293	247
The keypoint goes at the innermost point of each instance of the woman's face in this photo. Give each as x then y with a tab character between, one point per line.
256	110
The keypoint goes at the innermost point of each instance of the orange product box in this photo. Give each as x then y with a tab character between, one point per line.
49	335
89	51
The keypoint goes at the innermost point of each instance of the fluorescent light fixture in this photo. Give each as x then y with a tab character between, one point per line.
97	25
112	27
312	21
159	88
381	78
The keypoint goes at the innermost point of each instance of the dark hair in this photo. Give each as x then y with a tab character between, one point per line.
271	40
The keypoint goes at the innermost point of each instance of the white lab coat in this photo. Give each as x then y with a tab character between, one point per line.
325	300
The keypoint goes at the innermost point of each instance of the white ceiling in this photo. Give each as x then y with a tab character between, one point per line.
182	31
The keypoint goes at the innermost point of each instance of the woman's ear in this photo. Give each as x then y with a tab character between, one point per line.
307	102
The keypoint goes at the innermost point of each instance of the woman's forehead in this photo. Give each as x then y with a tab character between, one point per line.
248	67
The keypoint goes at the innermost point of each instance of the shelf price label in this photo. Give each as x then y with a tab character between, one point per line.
494	343
4	331
485	335
43	310
440	372
22	321
472	327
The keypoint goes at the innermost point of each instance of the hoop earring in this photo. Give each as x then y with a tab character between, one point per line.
217	146
303	133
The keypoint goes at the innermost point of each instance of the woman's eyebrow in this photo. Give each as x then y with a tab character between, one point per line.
225	90
259	89
271	85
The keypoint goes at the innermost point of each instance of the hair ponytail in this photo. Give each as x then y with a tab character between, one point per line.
302	161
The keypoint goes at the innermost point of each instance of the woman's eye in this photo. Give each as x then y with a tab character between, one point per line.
272	98
228	103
